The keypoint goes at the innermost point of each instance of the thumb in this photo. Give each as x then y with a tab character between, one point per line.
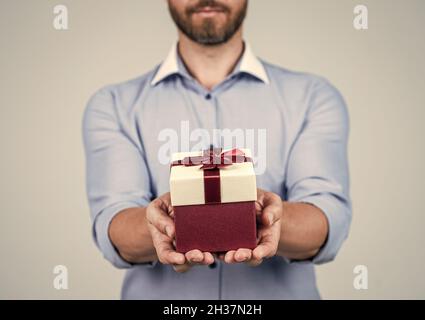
272	206
158	216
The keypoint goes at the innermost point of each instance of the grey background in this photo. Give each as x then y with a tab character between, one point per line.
47	76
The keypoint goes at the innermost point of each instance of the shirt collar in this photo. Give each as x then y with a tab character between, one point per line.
248	63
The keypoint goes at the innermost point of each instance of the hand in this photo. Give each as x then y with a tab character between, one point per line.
269	208
160	216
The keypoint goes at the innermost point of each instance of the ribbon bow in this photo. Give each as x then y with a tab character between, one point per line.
214	158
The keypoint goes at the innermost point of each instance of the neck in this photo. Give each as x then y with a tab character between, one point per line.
210	65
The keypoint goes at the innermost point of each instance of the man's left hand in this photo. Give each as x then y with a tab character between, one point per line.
269	208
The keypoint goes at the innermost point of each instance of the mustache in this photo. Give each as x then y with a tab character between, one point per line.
214	4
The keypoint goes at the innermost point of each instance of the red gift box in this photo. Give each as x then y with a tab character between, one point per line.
213	194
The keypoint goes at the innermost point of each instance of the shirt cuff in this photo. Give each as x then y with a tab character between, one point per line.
101	235
338	215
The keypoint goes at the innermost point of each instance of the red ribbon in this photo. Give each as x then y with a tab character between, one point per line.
211	161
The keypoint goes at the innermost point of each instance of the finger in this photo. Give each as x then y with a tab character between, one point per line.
230	256
272	209
259	204
208	258
158	215
268	207
268	242
242	255
163	203
164	248
266	248
194	256
254	262
182	268
270	216
175	257
166	198
262	251
168	256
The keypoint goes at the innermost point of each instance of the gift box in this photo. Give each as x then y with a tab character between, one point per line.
213	194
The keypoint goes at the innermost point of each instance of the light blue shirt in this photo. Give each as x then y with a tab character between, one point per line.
306	124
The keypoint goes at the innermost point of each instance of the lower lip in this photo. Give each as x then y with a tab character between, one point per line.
208	13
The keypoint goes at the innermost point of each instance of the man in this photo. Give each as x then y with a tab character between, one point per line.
212	79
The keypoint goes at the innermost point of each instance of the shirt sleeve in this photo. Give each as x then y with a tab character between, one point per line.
317	171
116	172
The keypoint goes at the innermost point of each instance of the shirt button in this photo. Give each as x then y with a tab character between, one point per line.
208	96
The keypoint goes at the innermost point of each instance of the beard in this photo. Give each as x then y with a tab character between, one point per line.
209	32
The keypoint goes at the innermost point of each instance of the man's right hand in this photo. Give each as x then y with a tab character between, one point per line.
160	216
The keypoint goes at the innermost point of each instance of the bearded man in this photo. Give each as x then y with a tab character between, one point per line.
212	79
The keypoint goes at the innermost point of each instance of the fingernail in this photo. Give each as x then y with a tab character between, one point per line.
270	217
168	231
